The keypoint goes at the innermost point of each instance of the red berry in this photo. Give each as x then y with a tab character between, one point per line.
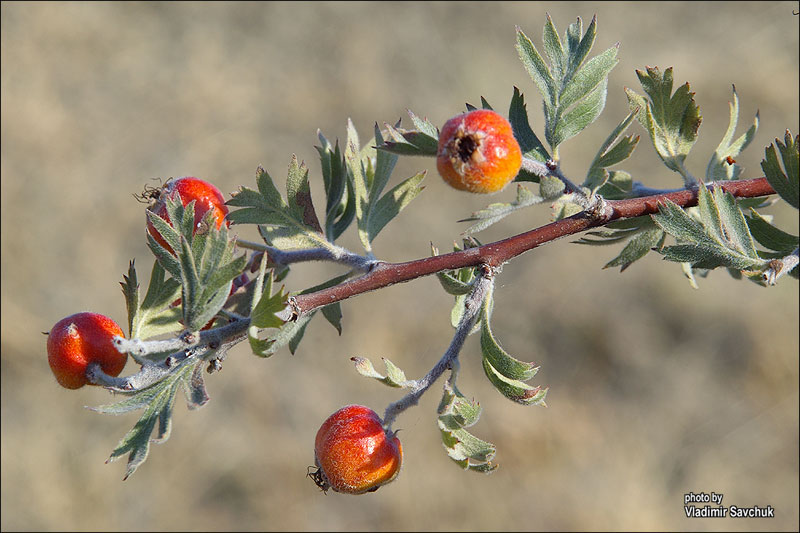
354	452
80	339
478	152
206	196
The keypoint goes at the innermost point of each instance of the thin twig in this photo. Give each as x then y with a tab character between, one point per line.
472	306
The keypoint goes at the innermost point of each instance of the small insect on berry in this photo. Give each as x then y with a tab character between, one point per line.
478	152
206	198
79	340
354	454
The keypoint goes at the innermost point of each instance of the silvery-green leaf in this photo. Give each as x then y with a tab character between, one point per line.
455	414
671	119
579	117
500	360
394	201
786	184
637	248
550	187
719	167
513	389
769	235
536	67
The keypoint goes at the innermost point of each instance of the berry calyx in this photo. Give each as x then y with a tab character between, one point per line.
478	152
206	198
354	453
79	340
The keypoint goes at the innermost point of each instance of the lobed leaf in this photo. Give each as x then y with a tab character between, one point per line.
720	238
770	236
719	167
394	201
157	401
455	414
536	67
513	389
284	224
529	143
786	184
394	377
498	358
672	120
574	90
580	116
588	78
637	247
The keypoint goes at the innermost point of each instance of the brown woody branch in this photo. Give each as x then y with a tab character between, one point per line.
497	253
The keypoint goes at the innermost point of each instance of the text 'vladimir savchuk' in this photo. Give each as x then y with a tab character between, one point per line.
715	509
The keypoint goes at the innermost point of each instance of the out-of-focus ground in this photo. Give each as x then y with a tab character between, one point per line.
656	389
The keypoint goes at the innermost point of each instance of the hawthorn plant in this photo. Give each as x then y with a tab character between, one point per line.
209	291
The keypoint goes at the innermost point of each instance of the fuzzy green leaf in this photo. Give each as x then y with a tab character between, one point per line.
264	313
157	402
455	414
394	201
298	193
672	120
588	78
606	237
536	67
206	267
286	225
394	377
770	236
358	181
501	361
618	185
574	90
550	187
719	238
265	316
554	49
611	154
787	184
580	116
154	315
578	48
333	314
529	143
637	247
425	127
409	142
340	204
195	388
513	389
718	167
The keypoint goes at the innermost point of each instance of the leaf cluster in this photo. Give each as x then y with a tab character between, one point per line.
204	262
573	88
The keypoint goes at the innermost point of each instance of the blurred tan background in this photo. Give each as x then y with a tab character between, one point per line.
656	389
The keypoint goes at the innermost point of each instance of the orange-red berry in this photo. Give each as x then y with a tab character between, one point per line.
354	452
81	339
478	152
206	198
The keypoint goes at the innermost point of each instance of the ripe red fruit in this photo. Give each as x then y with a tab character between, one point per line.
478	152
354	452
80	339
206	196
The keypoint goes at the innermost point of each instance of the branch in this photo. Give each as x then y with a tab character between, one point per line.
495	254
